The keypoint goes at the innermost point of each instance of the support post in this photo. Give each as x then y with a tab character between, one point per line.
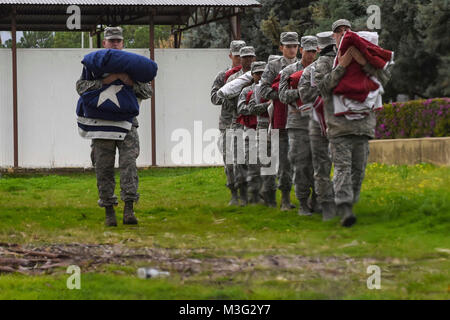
153	113
14	83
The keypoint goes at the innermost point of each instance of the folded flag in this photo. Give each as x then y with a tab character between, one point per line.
233	88
293	81
138	67
358	93
108	112
249	121
232	71
279	117
356	84
114	102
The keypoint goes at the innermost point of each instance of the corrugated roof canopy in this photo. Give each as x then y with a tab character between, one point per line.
41	15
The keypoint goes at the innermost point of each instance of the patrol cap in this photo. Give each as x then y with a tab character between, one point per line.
339	23
309	43
287	38
273	57
235	46
113	33
325	39
247	52
258	66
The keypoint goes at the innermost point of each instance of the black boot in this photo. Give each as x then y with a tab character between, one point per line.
110	220
243	196
304	210
270	198
254	197
313	204
234	198
348	218
286	201
328	211
128	214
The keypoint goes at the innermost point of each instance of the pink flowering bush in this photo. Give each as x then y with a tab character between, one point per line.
414	119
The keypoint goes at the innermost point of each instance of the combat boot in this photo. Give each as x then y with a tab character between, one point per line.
328	211
348	219
270	198
234	198
304	210
243	196
254	197
128	214
110	220
314	205
286	201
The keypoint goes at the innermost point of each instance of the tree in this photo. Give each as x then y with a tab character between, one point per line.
33	39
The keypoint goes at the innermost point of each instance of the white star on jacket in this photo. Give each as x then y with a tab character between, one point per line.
111	94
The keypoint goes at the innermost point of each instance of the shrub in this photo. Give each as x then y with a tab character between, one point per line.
414	119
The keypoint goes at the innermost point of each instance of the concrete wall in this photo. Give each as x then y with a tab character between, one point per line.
411	151
47	100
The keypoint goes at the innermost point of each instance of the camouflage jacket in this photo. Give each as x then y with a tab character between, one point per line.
142	90
272	70
227	110
309	93
258	109
234	102
243	107
327	79
295	118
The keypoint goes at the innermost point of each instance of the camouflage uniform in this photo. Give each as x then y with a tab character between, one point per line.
239	169
268	185
253	177
103	153
349	139
284	168
225	120
321	159
319	142
299	148
227	114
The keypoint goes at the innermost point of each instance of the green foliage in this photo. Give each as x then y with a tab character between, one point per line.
414	119
33	39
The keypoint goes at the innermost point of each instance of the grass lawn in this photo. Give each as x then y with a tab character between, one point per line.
219	252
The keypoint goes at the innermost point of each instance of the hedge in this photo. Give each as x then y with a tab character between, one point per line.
414	119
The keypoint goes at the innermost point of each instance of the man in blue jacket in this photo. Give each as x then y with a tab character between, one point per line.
103	151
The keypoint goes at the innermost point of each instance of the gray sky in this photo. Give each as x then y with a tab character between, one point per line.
6	35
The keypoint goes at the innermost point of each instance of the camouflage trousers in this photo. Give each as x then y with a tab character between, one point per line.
229	170
322	168
257	177
103	155
301	162
240	147
284	166
254	182
349	155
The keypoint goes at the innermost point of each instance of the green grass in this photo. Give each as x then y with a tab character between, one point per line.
403	218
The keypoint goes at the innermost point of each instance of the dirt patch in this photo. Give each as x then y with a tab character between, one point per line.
46	259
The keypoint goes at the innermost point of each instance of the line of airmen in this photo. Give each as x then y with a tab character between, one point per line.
305	152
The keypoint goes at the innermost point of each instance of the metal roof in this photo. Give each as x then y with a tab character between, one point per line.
232	3
51	15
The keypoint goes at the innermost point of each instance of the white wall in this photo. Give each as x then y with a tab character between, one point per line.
48	135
